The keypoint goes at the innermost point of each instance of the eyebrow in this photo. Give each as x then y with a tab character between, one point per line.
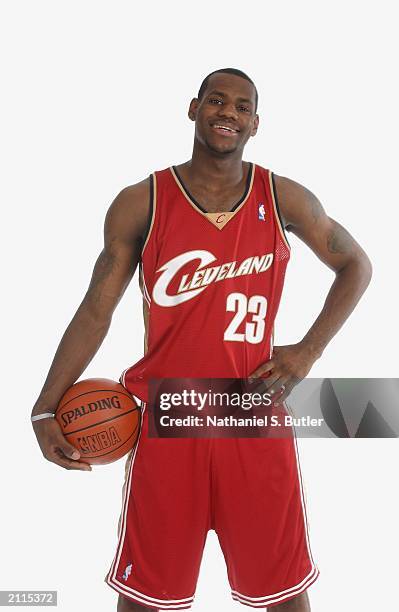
245	100
223	95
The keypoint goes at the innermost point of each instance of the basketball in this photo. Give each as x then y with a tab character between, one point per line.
100	418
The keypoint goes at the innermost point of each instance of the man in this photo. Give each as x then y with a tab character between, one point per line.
210	237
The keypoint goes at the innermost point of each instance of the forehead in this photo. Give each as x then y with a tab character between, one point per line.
232	85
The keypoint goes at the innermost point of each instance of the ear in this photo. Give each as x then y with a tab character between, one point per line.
192	110
255	125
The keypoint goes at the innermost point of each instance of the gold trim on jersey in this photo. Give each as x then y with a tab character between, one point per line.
212	216
154	205
146	305
143	285
271	342
146	317
276	215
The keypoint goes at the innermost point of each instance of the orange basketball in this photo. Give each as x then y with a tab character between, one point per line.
100	418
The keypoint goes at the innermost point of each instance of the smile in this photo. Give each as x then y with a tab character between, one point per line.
224	129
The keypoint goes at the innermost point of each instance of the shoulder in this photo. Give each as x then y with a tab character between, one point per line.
129	213
295	200
133	198
289	188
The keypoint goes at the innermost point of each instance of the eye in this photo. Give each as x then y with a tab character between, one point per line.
243	108
215	101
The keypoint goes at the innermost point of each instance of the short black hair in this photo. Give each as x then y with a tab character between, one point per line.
234	71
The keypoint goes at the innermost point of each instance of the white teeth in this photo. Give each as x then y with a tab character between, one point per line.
223	127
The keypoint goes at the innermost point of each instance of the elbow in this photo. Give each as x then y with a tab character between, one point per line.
363	270
366	268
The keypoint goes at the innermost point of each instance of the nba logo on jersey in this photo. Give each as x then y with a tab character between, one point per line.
261	212
127	572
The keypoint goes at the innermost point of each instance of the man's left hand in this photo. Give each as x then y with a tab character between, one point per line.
287	367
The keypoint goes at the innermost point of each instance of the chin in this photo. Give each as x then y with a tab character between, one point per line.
222	149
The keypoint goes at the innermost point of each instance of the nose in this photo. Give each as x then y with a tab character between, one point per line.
228	110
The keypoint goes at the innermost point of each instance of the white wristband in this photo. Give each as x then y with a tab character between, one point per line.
45	415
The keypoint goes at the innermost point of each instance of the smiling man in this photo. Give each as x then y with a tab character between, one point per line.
209	236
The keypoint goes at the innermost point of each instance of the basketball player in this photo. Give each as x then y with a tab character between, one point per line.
201	233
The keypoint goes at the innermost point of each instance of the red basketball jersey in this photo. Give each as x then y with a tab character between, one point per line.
211	283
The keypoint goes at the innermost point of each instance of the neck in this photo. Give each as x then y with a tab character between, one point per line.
207	167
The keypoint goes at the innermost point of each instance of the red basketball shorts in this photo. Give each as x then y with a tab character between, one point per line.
248	490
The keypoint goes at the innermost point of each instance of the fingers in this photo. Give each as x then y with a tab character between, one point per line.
70	451
60	459
56	448
263	369
277	385
274	382
289	385
277	388
256	381
68	457
266	384
268	366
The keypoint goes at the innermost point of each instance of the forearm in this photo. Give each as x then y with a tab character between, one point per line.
80	342
349	285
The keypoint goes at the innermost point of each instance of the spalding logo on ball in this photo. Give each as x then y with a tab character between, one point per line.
100	418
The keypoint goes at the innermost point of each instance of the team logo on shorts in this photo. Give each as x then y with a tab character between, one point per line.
261	212
127	572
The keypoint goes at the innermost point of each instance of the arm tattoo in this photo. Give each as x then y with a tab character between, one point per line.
339	240
104	266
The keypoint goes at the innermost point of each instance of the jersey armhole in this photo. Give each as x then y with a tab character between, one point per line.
279	218
153	204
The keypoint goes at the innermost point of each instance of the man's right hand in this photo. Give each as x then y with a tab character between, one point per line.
55	447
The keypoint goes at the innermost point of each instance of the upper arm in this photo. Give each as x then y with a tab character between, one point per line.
125	225
304	216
